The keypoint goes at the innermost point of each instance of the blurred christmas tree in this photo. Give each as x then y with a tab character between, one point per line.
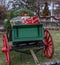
46	11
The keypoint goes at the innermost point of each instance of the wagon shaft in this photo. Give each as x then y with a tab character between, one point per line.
35	58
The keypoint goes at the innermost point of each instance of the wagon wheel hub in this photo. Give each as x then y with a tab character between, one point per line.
6	49
49	47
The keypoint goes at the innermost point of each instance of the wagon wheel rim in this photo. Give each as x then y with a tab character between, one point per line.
49	47
6	46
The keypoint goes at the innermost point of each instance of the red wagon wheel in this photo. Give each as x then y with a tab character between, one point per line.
49	47
6	49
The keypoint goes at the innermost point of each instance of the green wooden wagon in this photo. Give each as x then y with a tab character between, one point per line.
29	36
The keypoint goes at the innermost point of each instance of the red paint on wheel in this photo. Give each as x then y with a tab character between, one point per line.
6	49
49	47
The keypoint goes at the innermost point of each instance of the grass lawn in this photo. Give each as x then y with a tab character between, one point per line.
24	59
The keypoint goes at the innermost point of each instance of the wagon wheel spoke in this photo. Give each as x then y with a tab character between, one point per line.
4	41
49	47
7	58
50	43
44	41
49	51
47	36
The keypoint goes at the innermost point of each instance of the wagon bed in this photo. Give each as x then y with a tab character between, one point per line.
27	32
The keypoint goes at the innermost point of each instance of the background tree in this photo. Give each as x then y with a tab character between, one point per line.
3	12
31	4
2	2
34	6
46	11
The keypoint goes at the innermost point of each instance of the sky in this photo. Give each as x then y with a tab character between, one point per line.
6	1
2	2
